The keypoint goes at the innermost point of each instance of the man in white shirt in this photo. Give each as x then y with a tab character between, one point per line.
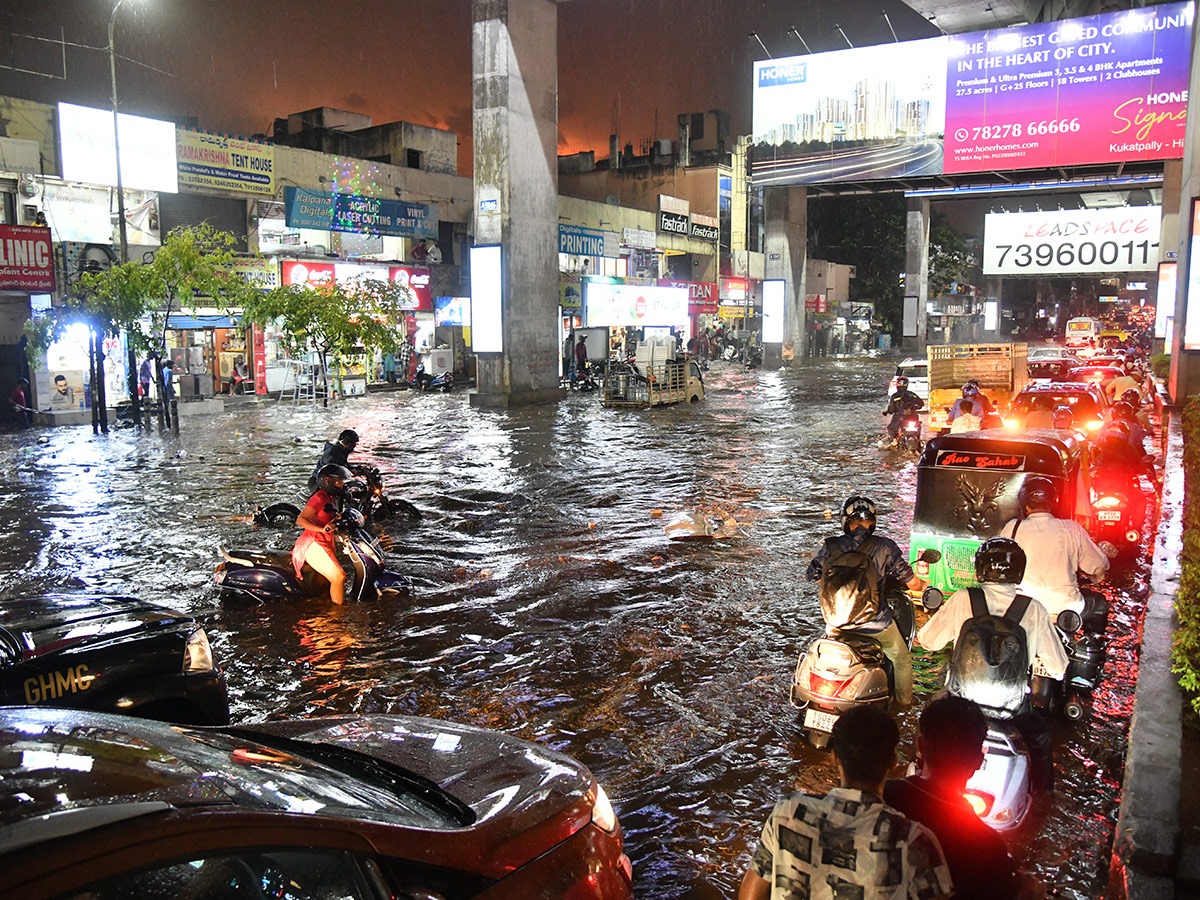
1055	549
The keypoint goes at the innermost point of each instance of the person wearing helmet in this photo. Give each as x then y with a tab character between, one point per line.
1122	383
1055	550
967	411
1042	413
859	518
981	397
1064	417
900	404
336	453
315	545
1122	413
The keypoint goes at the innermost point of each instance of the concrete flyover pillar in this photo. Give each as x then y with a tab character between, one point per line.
916	276
1185	364
785	216
514	85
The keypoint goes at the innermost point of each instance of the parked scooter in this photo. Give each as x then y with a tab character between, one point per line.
423	381
844	669
365	494
265	575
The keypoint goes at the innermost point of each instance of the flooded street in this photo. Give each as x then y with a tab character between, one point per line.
549	602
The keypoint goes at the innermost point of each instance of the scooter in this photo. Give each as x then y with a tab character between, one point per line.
844	669
423	381
1119	504
365	495
265	575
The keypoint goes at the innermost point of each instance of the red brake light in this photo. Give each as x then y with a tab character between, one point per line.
826	687
980	801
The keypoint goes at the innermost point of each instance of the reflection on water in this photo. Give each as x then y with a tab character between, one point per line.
550	601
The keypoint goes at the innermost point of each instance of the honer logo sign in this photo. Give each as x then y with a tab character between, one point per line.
958	459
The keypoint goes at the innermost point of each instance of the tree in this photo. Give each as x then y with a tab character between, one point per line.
335	318
950	260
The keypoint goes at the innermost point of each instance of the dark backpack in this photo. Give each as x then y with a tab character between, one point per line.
850	585
990	662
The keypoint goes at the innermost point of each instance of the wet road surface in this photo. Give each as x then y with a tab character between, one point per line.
550	602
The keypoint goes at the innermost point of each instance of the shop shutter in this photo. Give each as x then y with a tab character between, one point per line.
175	210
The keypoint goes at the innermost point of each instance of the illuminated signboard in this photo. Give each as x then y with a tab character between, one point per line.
1062	241
89	149
1165	302
487	296
773	310
960	459
452	311
1191	321
1104	88
319	274
634	305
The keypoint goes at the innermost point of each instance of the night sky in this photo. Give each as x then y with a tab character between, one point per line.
624	65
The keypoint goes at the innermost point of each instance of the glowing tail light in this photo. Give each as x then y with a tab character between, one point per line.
830	688
980	801
1095	424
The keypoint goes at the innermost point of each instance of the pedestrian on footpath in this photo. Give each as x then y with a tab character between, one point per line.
848	842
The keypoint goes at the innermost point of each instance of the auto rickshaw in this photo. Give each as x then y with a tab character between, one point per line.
967	487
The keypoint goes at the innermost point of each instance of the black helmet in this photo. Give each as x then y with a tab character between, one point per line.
1133	397
332	479
1117	429
1000	560
901	383
348	439
1063	417
1122	410
969	390
858	509
1039	491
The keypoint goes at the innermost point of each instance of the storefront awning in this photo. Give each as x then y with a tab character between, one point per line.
190	323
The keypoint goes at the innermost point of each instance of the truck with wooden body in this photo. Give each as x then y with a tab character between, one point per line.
1000	369
657	376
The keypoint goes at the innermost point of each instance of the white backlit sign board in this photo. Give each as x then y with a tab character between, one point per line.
487	300
1191	321
1072	241
1165	298
88	149
634	305
773	311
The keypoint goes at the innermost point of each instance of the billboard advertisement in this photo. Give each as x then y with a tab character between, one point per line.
1165	297
1072	241
88	148
26	259
1105	88
634	305
227	163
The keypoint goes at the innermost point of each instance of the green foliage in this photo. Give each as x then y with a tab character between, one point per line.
949	258
1160	365
1185	653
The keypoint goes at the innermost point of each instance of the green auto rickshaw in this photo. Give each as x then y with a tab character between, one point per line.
967	487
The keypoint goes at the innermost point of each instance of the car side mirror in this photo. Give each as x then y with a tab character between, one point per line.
932	598
930	556
1069	621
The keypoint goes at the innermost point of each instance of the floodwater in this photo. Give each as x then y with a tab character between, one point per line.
549	601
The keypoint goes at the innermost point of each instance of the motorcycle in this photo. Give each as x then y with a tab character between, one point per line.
365	495
909	439
1119	503
843	669
265	575
753	358
423	381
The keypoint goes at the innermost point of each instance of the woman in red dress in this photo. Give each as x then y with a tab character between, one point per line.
315	546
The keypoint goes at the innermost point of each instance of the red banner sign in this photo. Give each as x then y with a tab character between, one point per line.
815	303
957	459
26	259
316	274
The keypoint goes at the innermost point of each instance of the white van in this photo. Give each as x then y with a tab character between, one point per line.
917	373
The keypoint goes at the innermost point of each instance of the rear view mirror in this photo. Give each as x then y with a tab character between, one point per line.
1069	621
932	598
930	556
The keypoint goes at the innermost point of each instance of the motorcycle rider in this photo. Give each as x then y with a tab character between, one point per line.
1042	413
1055	550
981	396
899	405
967	408
1064	417
1122	412
859	518
1134	398
336	453
315	545
1117	455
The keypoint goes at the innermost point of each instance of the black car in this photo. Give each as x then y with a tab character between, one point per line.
110	654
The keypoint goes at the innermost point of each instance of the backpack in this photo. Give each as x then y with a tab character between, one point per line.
850	585
990	662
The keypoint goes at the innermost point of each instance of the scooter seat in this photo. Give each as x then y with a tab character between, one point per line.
865	648
277	559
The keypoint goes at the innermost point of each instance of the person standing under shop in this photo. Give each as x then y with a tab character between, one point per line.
20	404
581	357
404	358
433	254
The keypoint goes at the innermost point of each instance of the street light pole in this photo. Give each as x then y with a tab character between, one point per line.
112	67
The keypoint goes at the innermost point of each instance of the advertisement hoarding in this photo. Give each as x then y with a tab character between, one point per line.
773	310
26	259
319	274
358	213
1072	241
1165	297
487	290
452	311
1104	88
88	147
634	305
226	163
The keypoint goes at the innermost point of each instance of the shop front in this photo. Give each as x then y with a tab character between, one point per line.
635	312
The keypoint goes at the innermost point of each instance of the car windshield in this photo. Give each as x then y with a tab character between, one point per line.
1082	405
1047	369
912	371
84	765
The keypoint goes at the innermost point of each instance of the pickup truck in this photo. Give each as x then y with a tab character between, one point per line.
1000	368
657	376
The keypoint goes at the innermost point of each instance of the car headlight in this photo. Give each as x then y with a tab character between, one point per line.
602	811
197	655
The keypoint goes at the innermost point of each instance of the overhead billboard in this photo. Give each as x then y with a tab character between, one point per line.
1072	241
225	163
1103	88
634	305
88	147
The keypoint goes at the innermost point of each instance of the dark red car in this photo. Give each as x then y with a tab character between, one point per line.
104	807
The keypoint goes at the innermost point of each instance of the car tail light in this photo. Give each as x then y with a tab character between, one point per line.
829	688
602	811
980	801
1095	424
197	655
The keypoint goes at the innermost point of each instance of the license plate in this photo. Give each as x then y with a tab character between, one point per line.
1109	515
1039	669
821	721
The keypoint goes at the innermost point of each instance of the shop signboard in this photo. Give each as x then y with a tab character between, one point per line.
705	228
88	147
634	305
570	293
1072	241
815	303
417	282
702	295
358	213
452	311
576	241
26	259
262	272
673	223
320	274
225	163
638	238
1110	87
734	289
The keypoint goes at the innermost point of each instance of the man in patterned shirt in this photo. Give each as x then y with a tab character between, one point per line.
848	845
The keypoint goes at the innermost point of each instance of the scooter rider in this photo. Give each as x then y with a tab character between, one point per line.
315	546
967	405
858	525
899	405
336	453
1055	550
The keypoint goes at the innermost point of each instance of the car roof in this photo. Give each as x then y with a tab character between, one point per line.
1098	368
915	361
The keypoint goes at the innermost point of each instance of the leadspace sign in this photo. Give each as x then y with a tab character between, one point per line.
1075	241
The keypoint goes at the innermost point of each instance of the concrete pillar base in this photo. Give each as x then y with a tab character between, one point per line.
492	400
